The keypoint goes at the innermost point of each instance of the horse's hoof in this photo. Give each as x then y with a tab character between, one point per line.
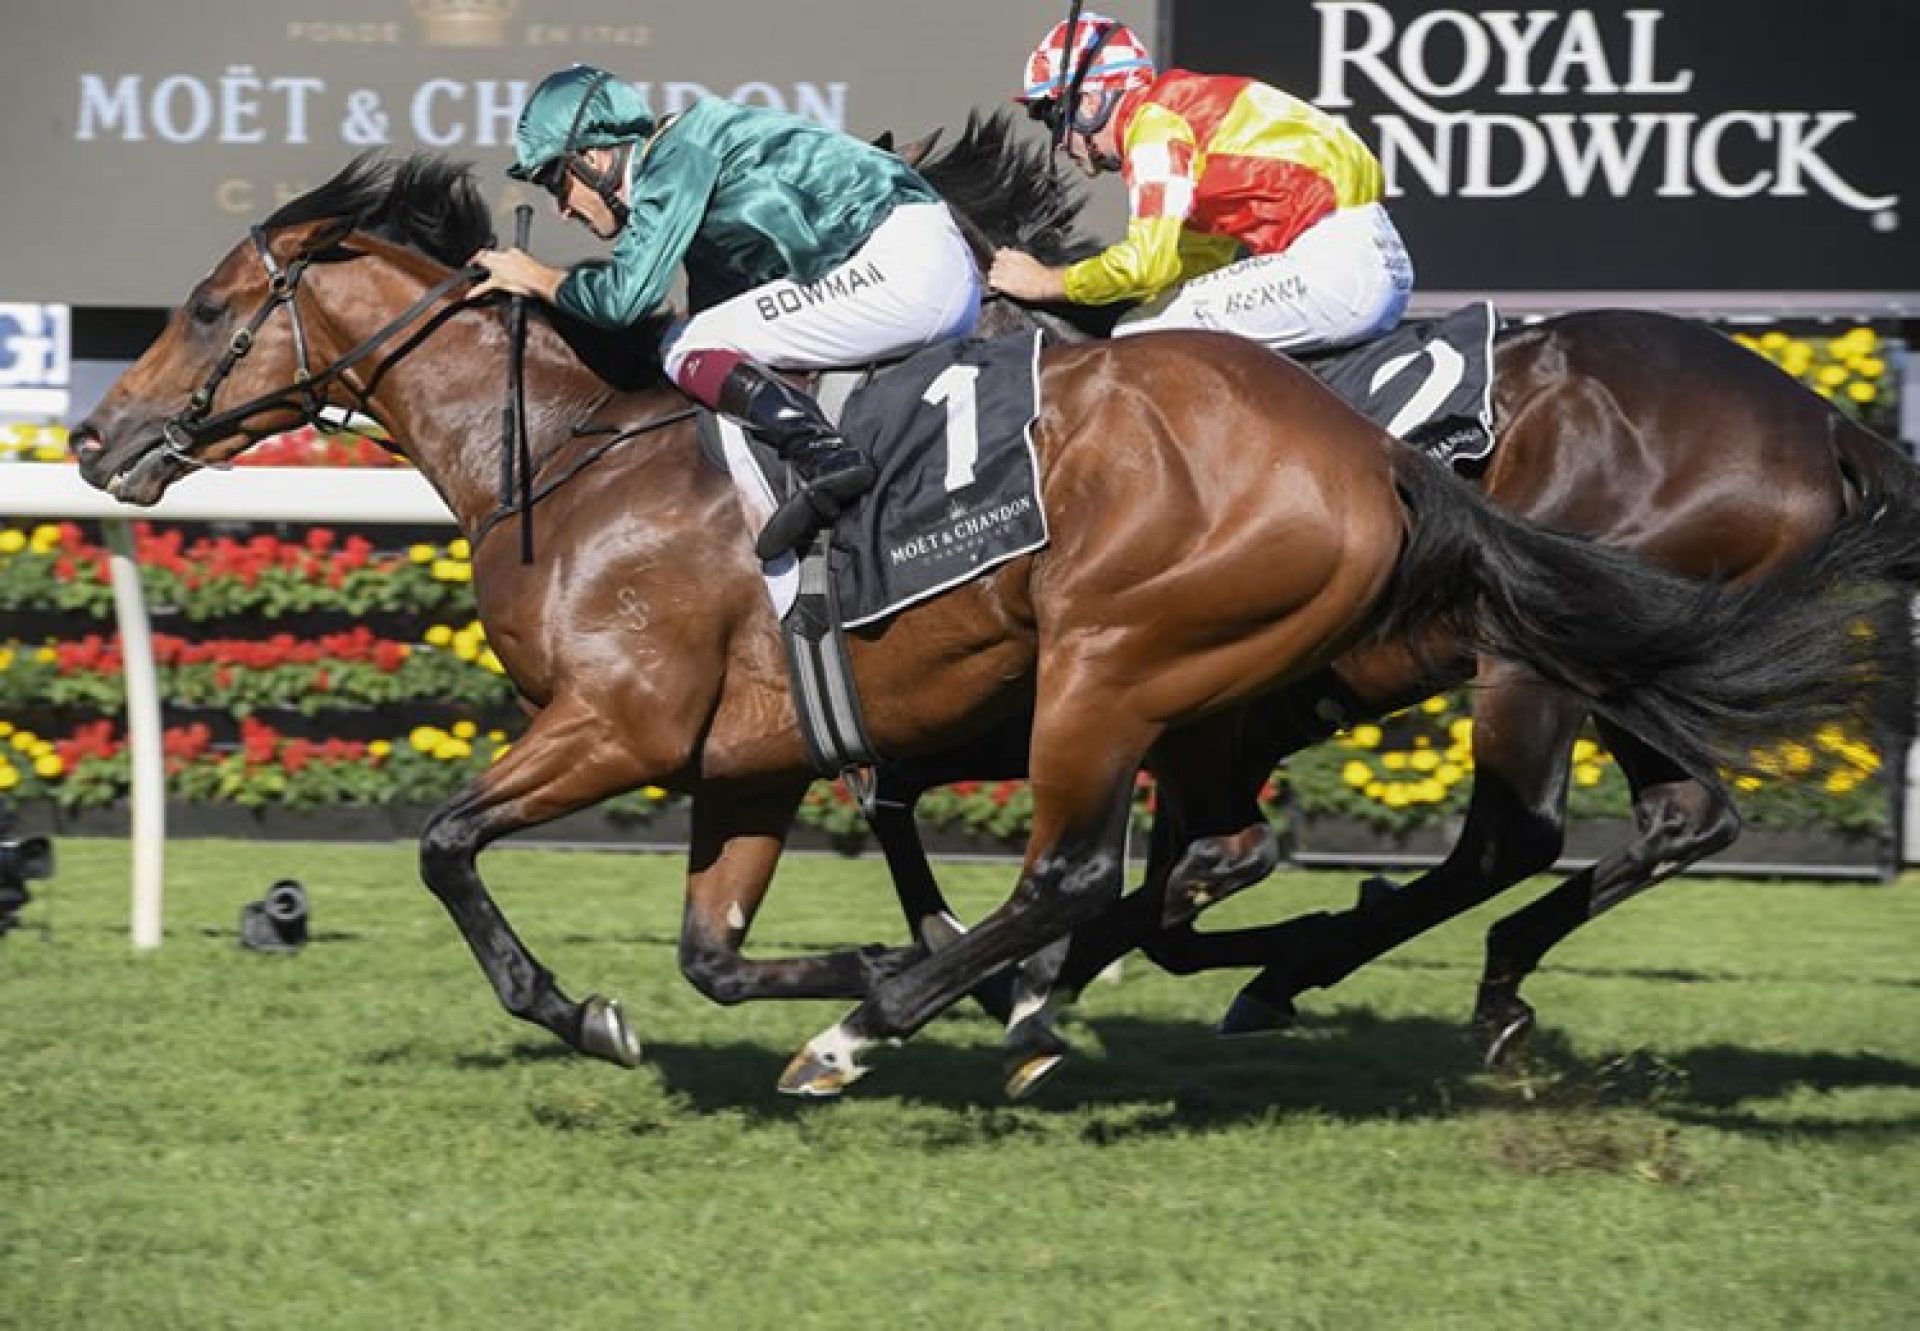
821	1071
1251	1014
1183	906
1502	1029
604	1032
1376	890
1026	1071
940	931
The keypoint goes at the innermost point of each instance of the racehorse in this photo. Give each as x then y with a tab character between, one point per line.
1645	431
1221	525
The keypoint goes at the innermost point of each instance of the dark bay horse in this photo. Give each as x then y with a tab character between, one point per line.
1222	525
1648	432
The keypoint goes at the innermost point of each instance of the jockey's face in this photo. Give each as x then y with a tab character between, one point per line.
1099	151
579	203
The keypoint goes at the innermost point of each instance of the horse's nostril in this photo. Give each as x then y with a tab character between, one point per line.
84	444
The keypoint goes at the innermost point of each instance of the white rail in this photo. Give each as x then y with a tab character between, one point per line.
247	494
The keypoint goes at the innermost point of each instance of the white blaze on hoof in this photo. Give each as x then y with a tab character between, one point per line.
826	1065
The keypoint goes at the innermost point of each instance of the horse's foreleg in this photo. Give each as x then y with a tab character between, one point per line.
1085	755
1677	822
561	764
737	838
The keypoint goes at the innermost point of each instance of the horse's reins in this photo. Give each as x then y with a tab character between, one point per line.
195	428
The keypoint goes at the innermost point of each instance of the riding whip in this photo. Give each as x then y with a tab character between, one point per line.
518	457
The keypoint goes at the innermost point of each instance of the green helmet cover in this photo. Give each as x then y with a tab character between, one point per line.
575	108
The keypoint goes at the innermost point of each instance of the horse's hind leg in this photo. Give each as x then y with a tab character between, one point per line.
1677	821
1523	735
1085	756
564	762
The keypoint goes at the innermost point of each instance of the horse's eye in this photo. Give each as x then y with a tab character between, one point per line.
208	311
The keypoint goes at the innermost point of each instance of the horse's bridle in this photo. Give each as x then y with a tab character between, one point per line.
195	428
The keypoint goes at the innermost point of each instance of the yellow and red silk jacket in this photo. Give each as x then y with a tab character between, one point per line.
1217	168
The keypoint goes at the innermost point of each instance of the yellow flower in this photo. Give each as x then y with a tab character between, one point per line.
451	750
439	635
12	542
48	766
452	570
422	554
1773	339
1831	376
426	738
1356	774
6	728
653	792
1449	774
501	752
458	548
1435	705
1394	762
1586	774
488	661
1461	731
8	777
1862	392
465	729
1585	750
46	656
24	740
1365	736
1839	783
380	748
1747	783
1426	760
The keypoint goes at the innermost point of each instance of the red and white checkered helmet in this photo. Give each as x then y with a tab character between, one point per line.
1120	60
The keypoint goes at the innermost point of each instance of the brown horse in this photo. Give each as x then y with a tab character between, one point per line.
1222	525
1645	431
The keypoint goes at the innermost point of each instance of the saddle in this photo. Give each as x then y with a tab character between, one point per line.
1429	382
956	495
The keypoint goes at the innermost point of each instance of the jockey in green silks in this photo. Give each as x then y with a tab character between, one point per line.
804	249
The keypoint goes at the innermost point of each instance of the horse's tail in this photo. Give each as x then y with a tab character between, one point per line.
1705	673
1880	532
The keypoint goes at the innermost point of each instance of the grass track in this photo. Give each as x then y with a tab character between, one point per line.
1720	1125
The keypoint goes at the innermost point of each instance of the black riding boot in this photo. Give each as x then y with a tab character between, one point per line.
832	471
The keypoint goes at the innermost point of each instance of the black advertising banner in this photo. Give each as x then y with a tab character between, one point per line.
1699	146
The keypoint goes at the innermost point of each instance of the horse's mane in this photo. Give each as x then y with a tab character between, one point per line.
1003	184
424	202
434	206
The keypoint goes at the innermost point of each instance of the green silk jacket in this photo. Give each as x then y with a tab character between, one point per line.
742	195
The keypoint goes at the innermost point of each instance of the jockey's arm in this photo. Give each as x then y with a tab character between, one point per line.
669	200
1161	160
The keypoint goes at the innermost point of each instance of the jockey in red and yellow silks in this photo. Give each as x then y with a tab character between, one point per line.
1251	211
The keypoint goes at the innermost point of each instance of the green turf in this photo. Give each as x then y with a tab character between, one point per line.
1717	1128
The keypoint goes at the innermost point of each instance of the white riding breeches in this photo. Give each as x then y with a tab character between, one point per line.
1344	279
912	284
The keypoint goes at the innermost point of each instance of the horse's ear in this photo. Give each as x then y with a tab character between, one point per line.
328	237
917	152
884	141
